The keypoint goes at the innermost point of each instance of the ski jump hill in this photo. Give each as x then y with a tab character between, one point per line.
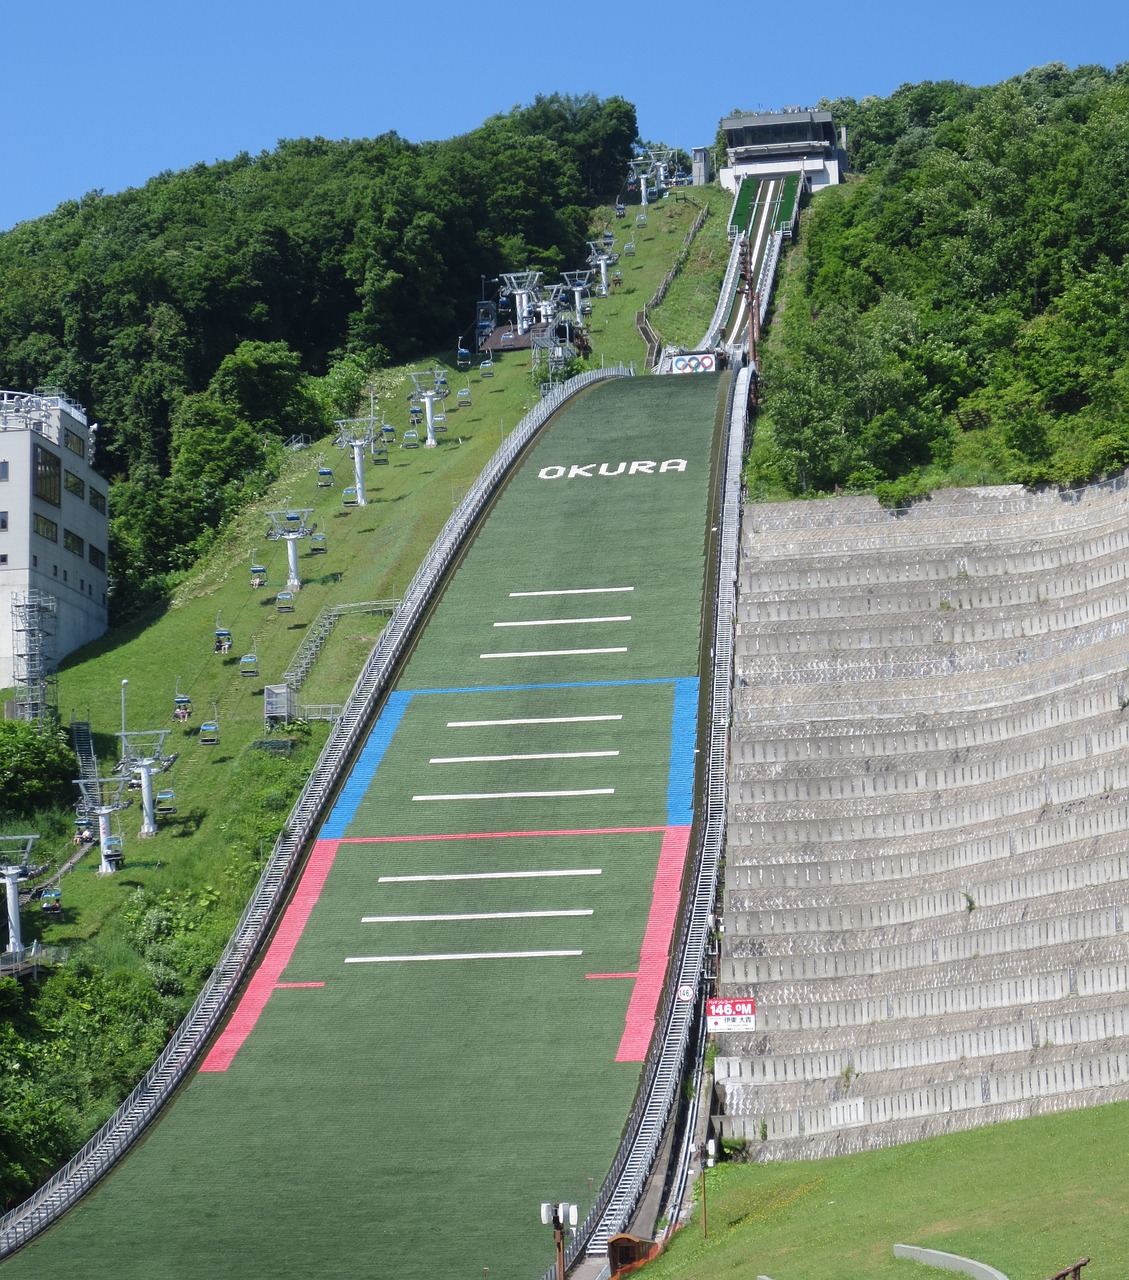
449	1020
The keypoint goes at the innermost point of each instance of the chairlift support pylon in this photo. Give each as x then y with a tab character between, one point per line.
291	525
357	435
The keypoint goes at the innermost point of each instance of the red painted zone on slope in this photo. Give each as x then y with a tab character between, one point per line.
266	977
653	955
655	952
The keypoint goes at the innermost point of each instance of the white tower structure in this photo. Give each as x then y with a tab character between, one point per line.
12	872
53	521
431	385
523	285
102	797
577	281
291	526
601	255
143	752
356	434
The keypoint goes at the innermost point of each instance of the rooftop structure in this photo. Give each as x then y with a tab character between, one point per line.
772	144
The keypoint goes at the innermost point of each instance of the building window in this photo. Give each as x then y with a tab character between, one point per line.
97	500
3	557
73	542
3	521
74	442
3	468
45	528
97	558
48	476
74	484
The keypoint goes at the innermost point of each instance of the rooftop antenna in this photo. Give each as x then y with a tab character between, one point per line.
430	386
12	872
102	797
357	434
290	525
524	286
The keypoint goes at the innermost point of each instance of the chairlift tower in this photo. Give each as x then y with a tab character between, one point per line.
357	434
12	872
577	281
291	526
430	386
143	751
601	256
523	285
102	797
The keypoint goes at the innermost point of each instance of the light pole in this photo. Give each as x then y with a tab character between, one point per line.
561	1216
124	684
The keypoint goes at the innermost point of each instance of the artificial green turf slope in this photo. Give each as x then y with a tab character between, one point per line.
408	1118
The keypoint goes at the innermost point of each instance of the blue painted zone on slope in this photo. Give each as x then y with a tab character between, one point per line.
683	735
683	732
363	771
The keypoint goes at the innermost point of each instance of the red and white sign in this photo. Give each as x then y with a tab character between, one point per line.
731	1015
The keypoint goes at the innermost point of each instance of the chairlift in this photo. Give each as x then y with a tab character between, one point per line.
462	359
258	576
601	290
210	731
440	381
486	368
617	277
629	249
166	803
284	602
462	396
182	705
223	638
410	439
293	519
349	496
609	239
378	451
415	414
439	420
51	902
319	545
249	663
620	209
325	477
112	852
388	433
640	219
509	336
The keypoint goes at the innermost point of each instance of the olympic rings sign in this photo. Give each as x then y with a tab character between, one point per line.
701	362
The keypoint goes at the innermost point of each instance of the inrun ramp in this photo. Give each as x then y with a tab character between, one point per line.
449	1023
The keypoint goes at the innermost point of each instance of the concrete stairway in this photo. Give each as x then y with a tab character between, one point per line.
927	869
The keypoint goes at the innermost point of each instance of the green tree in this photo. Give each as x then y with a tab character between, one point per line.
37	767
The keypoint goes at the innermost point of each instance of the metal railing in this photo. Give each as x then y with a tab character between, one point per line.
141	1107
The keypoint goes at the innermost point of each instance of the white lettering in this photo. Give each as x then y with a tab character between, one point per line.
617	472
642	468
673	464
550	473
576	470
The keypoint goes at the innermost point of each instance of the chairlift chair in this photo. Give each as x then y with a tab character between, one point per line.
258	575
440	382
462	396
166	803
378	452
439	420
410	439
486	368
249	664
319	545
181	705
620	209
210	733
640	219
629	249
388	433
349	496
112	852
284	602
601	290
51	902
415	414
462	359
325	477
223	640
609	239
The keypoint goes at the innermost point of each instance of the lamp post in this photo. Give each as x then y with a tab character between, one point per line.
124	684
561	1216
706	1152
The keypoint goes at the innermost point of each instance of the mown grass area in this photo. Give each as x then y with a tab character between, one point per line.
1030	1197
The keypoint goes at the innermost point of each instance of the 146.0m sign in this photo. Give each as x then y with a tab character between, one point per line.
730	1015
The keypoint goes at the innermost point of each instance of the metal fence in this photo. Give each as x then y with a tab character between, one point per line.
134	1115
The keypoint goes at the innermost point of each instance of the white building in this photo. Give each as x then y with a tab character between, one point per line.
53	526
775	144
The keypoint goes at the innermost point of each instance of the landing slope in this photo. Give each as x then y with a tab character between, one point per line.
448	1025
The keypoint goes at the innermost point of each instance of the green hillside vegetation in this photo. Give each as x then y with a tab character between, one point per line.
143	941
957	313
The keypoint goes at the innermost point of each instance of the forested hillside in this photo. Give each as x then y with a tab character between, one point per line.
190	315
958	311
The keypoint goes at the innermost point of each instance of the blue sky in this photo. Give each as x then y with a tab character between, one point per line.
103	94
